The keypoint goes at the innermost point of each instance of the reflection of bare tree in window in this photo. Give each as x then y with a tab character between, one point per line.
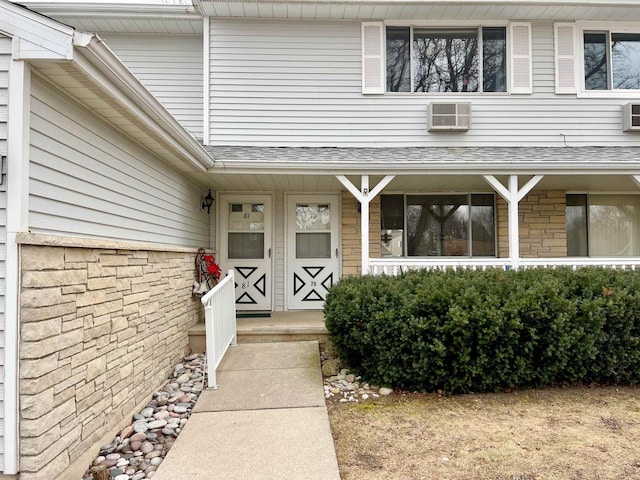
494	59
445	61
438	225
398	59
625	58
595	61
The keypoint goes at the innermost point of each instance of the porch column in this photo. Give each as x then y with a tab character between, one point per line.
513	196
364	196
17	177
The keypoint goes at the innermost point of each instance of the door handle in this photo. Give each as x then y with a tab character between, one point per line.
269	252
336	253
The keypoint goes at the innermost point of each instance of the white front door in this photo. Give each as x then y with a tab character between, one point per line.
245	246
312	249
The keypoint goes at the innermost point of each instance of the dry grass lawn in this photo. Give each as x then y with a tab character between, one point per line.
552	434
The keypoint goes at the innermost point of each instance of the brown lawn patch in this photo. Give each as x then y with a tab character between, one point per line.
551	434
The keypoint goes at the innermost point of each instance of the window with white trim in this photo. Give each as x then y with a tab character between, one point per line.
420	59
446	59
448	225
601	225
611	60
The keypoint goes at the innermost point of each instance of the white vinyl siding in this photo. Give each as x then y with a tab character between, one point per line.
298	83
5	59
171	67
88	180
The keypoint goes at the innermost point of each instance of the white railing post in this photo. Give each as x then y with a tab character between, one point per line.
220	324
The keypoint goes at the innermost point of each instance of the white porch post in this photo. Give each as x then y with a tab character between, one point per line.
17	221
513	196
364	196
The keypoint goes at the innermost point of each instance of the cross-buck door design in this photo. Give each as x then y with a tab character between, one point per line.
245	246
312	249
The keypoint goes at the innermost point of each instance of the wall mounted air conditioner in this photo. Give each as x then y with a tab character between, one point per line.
631	117
449	116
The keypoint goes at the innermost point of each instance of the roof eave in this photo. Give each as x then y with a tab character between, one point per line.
95	55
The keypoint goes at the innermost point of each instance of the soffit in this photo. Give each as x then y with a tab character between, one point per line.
622	10
133	24
425	183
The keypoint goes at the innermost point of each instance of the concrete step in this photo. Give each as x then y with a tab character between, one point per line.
279	327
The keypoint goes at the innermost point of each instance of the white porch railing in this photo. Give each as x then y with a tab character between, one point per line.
220	324
395	266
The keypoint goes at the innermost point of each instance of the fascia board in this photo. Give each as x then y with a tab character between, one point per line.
97	60
485	168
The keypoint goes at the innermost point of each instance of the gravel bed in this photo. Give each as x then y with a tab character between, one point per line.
140	448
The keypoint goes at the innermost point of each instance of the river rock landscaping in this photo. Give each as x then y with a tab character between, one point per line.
140	448
343	386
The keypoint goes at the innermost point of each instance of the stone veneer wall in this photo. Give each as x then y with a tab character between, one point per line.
351	248
100	330
543	225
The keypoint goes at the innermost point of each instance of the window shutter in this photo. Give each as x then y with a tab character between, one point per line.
521	69
372	57
565	46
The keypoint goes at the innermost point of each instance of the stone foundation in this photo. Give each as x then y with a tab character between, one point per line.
100	330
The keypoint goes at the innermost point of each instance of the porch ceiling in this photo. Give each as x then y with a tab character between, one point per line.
596	10
424	183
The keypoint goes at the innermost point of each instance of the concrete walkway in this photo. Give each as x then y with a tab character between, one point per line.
267	420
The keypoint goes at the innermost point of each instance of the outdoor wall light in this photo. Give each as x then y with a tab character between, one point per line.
207	202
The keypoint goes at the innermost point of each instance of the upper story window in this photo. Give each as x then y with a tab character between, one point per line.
611	61
425	59
597	59
446	60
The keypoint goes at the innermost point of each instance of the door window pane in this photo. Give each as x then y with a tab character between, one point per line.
625	59
437	225
313	245
246	245
313	217
483	225
577	245
494	59
398	59
614	225
246	216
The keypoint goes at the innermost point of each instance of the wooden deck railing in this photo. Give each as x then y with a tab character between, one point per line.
220	324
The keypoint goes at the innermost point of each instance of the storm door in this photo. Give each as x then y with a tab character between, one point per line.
312	249
245	246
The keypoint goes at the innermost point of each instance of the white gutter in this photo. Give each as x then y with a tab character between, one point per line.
178	9
484	168
100	64
524	3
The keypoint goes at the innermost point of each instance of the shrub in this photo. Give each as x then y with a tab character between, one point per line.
463	331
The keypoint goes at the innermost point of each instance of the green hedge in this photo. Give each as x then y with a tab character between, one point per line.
463	331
